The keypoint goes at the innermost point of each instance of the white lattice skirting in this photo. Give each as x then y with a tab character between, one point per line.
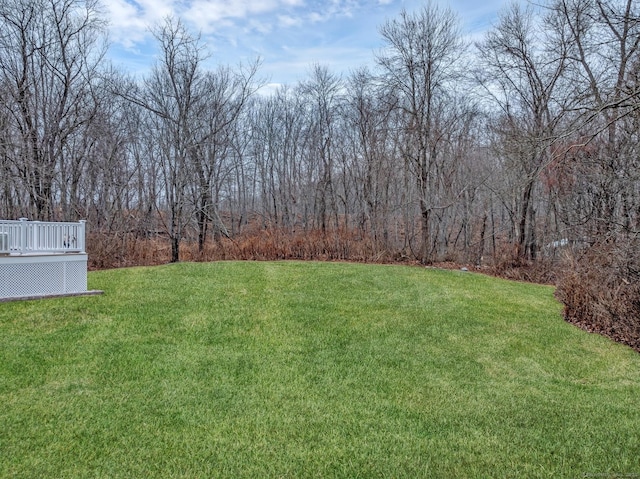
42	275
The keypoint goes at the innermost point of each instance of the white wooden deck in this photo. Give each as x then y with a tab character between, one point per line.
41	259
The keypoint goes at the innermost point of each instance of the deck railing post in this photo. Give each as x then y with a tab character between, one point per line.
82	230
36	237
23	235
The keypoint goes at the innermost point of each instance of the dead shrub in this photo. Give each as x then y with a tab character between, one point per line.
600	290
118	250
507	264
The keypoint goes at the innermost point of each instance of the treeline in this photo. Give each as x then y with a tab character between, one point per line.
512	150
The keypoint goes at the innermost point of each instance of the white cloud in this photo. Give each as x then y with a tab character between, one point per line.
206	15
315	17
263	28
288	21
126	25
341	34
130	21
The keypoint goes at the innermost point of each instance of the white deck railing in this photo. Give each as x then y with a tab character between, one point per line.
36	237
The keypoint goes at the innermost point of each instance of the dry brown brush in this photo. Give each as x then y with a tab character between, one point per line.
600	290
114	251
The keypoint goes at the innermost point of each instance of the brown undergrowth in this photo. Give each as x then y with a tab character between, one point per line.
116	251
600	290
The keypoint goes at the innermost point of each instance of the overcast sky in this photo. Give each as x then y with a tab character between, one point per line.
288	35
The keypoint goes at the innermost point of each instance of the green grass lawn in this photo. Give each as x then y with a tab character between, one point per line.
246	369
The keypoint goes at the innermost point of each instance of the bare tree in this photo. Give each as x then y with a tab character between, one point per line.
370	122
600	164
277	126
50	52
419	61
521	69
172	94
224	94
323	100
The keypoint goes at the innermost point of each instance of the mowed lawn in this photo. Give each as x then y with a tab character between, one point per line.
288	369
